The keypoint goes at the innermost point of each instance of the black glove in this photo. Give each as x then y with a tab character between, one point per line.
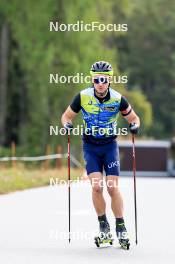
68	126
134	128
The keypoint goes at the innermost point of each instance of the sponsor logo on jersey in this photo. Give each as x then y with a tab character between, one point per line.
90	102
110	108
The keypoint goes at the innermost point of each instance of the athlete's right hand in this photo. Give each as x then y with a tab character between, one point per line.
68	126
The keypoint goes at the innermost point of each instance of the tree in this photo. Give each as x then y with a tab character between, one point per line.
4	50
147	54
32	102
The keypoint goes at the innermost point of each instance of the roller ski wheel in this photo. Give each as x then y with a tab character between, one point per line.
124	243
104	240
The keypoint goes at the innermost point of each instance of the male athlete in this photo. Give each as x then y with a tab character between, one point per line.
100	106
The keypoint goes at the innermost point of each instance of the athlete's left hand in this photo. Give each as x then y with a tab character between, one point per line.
134	128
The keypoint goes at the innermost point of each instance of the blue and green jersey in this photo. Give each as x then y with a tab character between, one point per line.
99	117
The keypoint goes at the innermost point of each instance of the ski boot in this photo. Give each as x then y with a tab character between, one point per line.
105	237
122	235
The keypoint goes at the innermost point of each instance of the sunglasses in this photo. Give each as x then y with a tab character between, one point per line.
101	80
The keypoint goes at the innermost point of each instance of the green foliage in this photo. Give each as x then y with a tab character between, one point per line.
143	108
35	52
21	178
147	54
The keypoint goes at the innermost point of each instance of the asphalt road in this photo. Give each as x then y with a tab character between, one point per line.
34	224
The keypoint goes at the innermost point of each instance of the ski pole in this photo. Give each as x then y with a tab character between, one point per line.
68	163
135	194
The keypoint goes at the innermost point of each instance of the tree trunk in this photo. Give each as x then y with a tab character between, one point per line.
4	44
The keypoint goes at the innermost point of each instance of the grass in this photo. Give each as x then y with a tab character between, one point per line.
21	178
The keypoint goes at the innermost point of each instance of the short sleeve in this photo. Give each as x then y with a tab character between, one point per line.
125	107
76	103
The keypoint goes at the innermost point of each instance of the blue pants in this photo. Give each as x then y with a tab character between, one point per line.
99	157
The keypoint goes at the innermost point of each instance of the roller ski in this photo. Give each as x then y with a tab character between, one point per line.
122	236
105	237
